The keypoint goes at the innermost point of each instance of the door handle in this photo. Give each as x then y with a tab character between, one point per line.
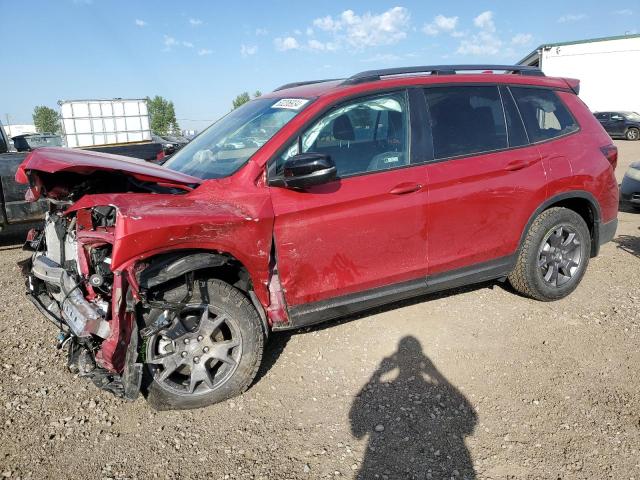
405	188
520	164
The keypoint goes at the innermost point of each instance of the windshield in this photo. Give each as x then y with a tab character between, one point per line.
227	144
632	116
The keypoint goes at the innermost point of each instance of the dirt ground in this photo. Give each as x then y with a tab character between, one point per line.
475	383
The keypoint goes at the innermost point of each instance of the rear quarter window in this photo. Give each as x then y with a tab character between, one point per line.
545	116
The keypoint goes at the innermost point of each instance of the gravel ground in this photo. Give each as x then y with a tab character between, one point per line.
475	383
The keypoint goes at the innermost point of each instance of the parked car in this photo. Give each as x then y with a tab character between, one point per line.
29	141
170	143
620	124
14	209
313	202
630	188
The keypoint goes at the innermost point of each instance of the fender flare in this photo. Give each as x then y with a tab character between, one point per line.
569	195
177	264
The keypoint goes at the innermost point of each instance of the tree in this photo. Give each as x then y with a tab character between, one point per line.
46	120
241	99
163	116
244	97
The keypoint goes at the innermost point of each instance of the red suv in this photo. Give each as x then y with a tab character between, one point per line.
313	202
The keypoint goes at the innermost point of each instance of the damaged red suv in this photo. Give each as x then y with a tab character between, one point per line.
313	202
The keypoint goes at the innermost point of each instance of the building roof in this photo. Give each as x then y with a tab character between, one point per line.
575	42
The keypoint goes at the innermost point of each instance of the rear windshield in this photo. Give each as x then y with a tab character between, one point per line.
228	144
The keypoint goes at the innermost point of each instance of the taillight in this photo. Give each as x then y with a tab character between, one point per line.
611	152
160	155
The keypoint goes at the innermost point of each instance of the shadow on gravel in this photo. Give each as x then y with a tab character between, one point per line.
416	422
629	244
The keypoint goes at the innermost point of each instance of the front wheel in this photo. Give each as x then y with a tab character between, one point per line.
554	255
632	134
209	353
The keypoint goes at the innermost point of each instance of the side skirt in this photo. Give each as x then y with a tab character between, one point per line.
312	313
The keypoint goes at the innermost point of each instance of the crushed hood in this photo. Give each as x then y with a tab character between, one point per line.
53	160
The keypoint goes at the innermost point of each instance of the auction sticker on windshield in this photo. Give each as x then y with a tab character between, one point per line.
291	103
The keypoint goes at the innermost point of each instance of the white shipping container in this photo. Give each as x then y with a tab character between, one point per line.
608	69
88	123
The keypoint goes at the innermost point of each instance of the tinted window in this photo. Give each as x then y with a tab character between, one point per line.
544	114
466	120
365	135
602	116
515	128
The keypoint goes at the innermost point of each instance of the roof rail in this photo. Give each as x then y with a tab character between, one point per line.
373	75
301	84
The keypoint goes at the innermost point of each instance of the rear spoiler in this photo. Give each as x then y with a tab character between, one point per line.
573	84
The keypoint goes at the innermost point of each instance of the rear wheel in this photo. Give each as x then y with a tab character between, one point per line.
632	134
554	255
209	353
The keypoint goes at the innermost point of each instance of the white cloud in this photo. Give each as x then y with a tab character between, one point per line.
169	41
624	12
187	44
261	32
286	43
366	30
482	43
485	21
204	51
316	45
522	39
441	24
310	31
248	50
195	21
571	17
327	24
140	23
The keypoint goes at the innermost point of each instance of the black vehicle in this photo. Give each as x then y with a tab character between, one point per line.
170	143
29	141
620	124
630	188
14	208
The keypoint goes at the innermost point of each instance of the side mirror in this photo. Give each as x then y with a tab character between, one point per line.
308	169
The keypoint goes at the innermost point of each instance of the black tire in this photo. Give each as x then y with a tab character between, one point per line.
632	134
231	303
531	269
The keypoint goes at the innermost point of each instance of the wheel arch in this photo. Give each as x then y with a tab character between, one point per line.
163	267
581	202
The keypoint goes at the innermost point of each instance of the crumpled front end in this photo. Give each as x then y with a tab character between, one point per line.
116	237
71	282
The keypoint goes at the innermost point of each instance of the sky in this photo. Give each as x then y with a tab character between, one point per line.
202	54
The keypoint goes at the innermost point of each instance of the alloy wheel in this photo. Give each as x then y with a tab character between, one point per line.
560	256
198	353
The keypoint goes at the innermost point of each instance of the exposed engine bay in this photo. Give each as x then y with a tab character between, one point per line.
71	282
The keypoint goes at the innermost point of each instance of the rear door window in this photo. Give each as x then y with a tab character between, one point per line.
544	114
466	120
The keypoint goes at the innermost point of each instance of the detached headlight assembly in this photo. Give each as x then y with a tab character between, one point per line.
633	173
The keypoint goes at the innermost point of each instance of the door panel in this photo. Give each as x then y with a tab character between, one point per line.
478	206
351	235
479	202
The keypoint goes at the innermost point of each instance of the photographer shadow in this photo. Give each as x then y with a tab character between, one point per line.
416	421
